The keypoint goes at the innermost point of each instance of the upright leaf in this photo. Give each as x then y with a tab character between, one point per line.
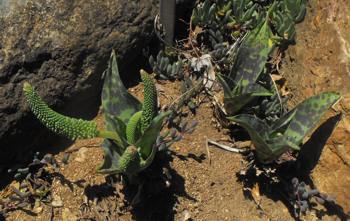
252	55
237	98
224	81
116	100
117	125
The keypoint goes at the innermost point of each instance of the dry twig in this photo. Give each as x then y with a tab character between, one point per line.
228	148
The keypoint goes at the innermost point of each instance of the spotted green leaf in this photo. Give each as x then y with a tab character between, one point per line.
113	149
308	114
240	86
289	131
112	155
116	100
252	55
258	132
267	150
296	8
236	98
120	157
117	125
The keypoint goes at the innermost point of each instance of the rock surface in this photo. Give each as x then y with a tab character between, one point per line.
320	61
62	47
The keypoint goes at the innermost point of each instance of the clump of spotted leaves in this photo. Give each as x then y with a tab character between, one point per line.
137	124
132	126
271	141
240	85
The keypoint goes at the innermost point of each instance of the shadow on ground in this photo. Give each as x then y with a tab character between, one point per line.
153	198
301	168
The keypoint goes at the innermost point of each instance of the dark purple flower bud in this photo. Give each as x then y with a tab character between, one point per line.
300	190
295	181
28	176
330	199
23	185
177	138
18	175
35	162
303	206
194	124
23	205
15	198
305	195
319	200
10	170
65	158
313	192
162	147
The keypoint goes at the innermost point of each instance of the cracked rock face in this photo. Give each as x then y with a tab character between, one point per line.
62	48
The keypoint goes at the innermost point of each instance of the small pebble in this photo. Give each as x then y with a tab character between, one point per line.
81	156
186	216
38	210
57	202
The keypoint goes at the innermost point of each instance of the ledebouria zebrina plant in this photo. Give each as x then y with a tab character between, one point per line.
271	141
132	127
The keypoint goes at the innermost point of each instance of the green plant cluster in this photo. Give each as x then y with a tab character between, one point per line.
288	132
241	36
229	19
132	126
165	68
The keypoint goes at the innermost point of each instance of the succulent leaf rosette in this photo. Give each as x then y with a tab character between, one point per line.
271	141
132	127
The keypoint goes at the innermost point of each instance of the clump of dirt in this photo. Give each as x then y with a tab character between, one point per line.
203	184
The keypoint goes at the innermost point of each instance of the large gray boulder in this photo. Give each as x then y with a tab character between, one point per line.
62	48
